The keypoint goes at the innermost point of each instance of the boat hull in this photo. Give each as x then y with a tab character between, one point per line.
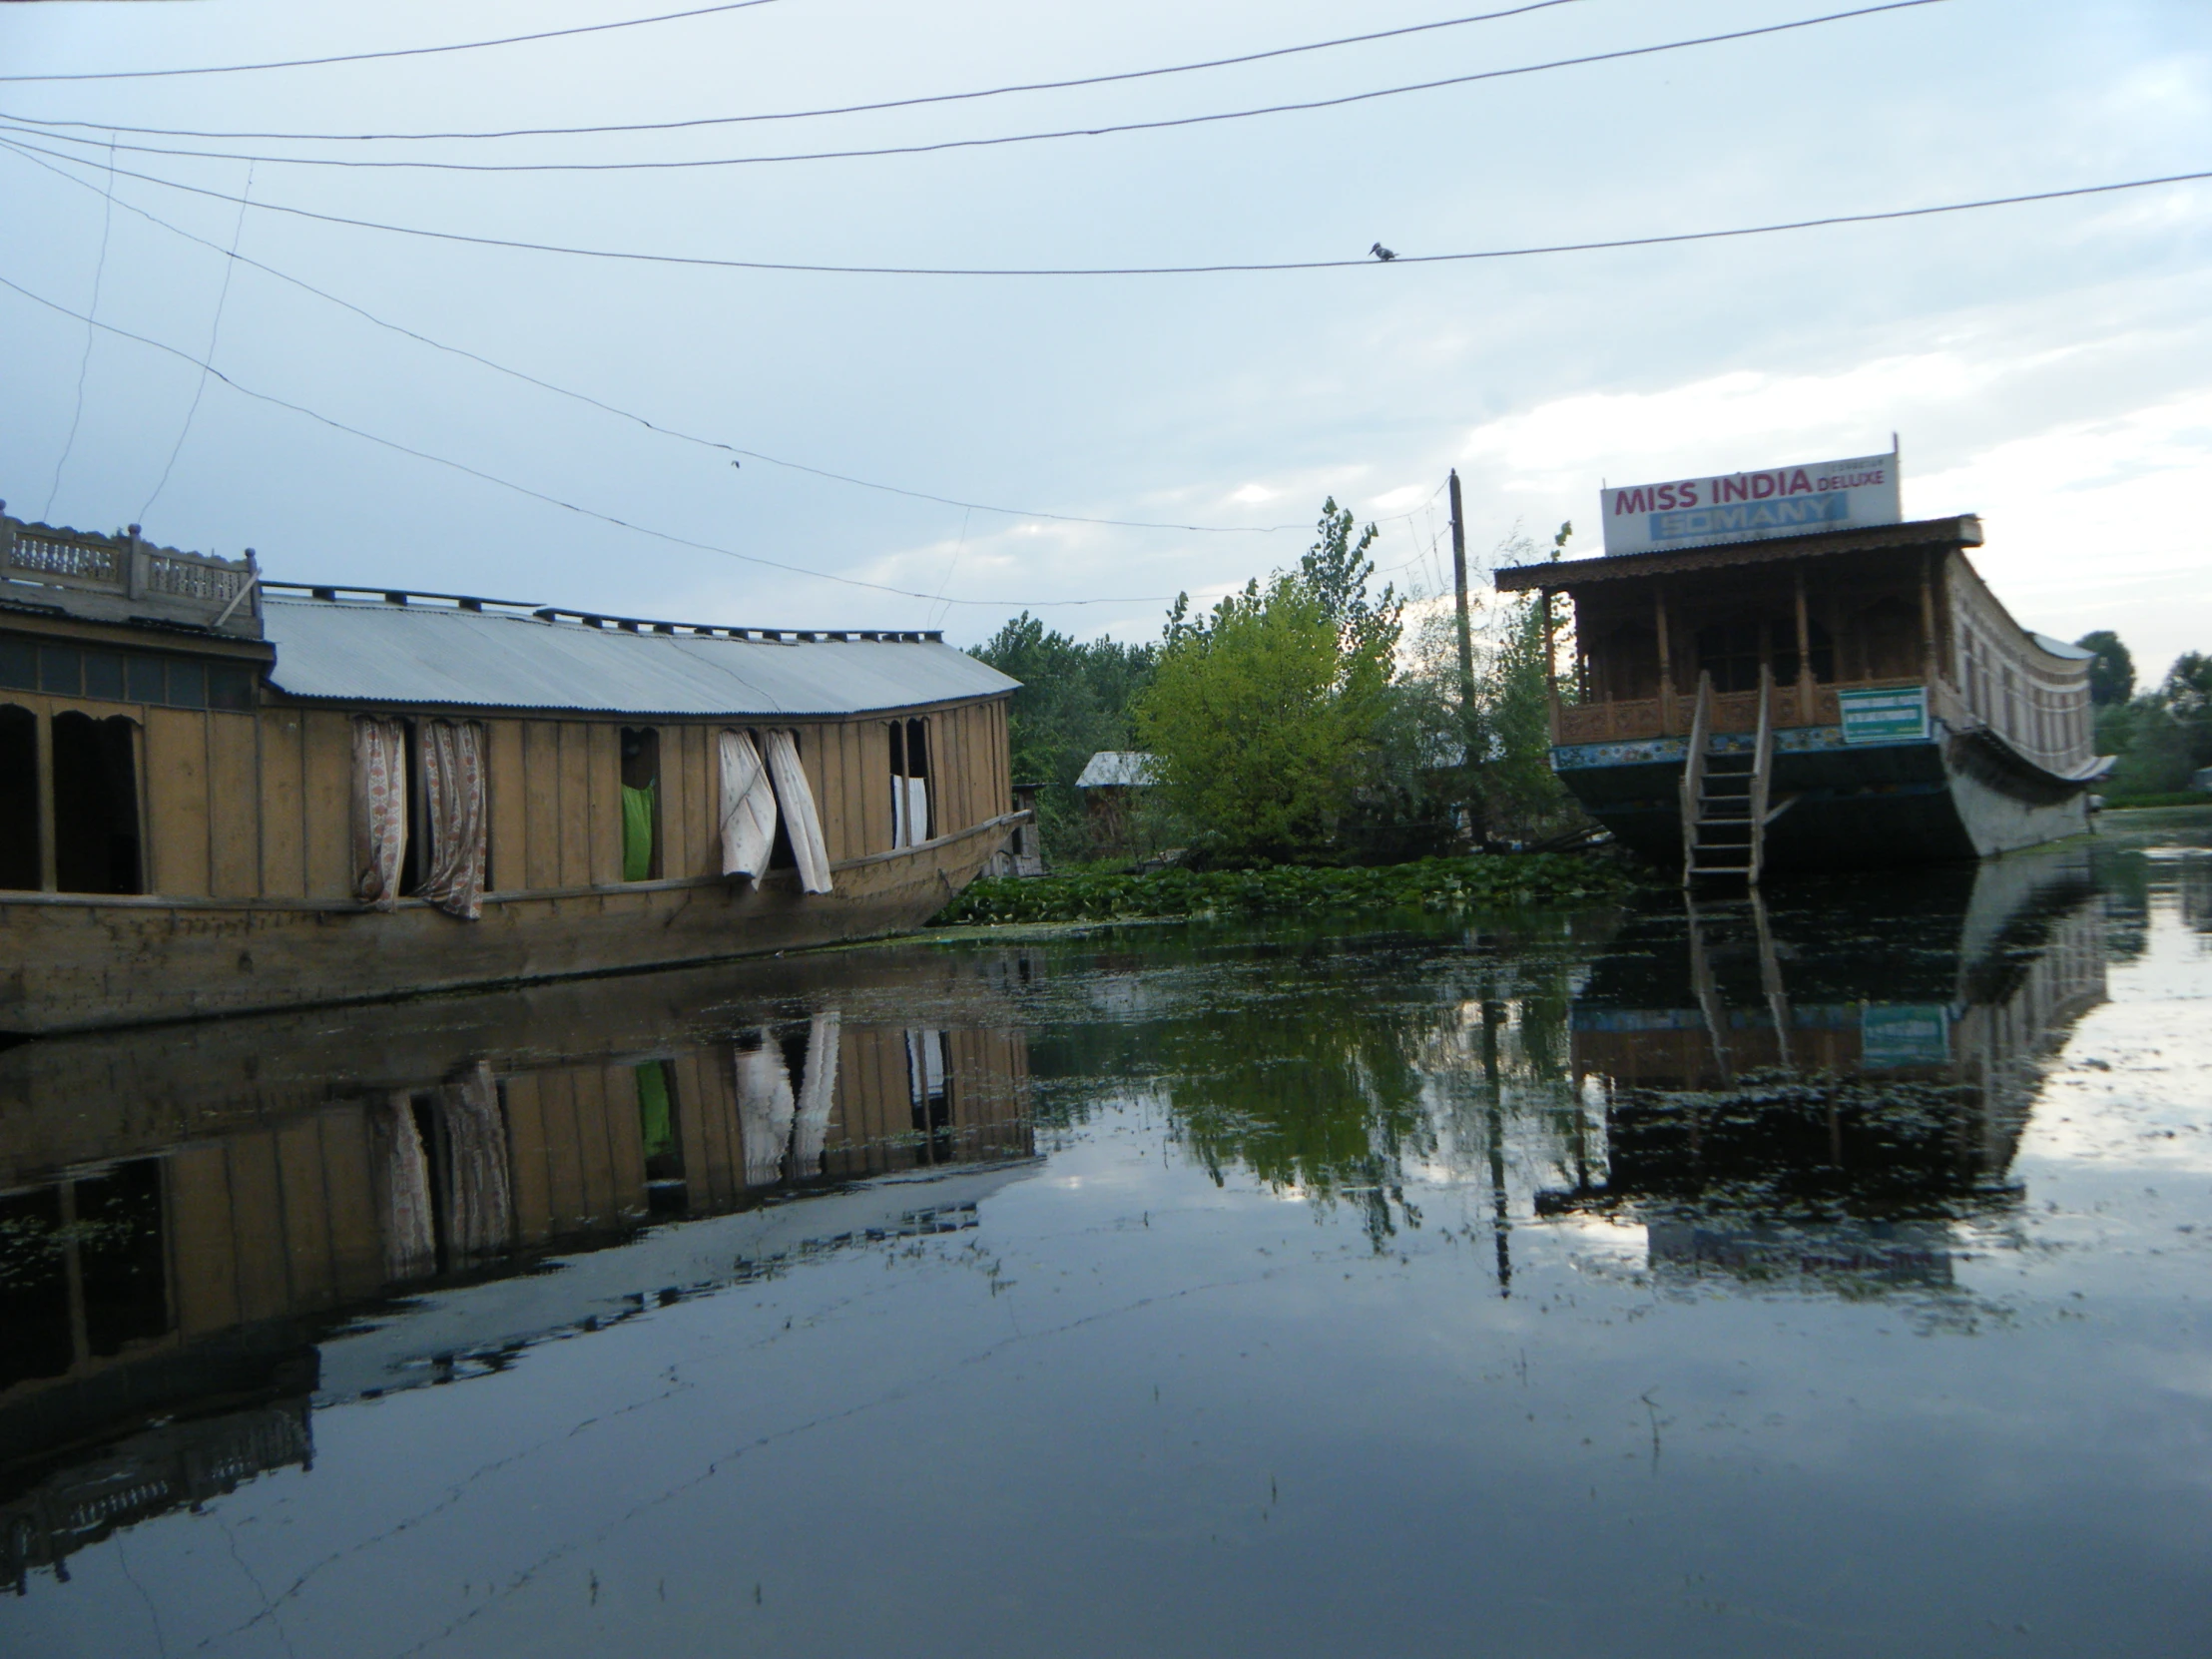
1948	800
72	963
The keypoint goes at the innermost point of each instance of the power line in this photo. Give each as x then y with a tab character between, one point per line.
832	110
235	258
397	52
1530	251
84	365
937	146
554	500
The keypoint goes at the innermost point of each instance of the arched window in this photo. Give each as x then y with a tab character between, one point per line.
96	805
19	815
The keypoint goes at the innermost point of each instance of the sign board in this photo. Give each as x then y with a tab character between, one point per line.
1896	1034
1899	714
1751	506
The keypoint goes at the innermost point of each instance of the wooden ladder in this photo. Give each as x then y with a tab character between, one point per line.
1727	799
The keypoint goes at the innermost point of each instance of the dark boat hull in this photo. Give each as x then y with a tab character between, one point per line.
1951	798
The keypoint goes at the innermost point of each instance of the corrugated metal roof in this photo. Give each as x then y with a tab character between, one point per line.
1118	769
379	653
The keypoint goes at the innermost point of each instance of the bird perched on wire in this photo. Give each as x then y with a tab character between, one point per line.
1381	253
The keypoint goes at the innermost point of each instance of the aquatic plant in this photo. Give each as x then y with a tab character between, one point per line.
1448	884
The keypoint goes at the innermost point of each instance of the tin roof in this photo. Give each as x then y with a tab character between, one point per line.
377	651
1119	769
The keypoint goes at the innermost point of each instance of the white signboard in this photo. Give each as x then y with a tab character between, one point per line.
1750	506
1899	714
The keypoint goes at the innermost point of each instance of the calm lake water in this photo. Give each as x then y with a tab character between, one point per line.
1829	1277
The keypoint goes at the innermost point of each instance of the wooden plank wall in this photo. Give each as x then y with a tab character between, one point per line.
241	805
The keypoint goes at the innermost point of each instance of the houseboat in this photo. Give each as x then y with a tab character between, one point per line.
219	792
1776	671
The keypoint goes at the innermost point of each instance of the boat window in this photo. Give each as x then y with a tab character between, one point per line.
641	804
19	815
96	805
61	670
188	685
146	679
911	824
1889	640
418	815
1729	652
124	676
104	674
1628	668
1782	631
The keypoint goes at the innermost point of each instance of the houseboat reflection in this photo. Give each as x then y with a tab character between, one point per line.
293	1212
1778	1112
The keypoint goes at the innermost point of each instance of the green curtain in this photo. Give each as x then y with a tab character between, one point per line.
653	1118
637	832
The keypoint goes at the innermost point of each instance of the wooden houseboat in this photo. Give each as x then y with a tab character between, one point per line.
219	792
1797	696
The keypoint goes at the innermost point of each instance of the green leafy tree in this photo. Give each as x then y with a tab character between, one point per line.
2113	672
1270	716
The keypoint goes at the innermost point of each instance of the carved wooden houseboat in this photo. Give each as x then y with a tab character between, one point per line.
221	793
1818	700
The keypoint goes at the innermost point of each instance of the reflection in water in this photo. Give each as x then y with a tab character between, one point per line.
1374	1217
211	1270
1774	1110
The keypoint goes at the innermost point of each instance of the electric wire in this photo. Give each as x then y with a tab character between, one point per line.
553	500
214	333
1222	267
814	114
938	146
84	363
648	425
394	52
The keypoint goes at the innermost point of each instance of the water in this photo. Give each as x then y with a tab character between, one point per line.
1820	1280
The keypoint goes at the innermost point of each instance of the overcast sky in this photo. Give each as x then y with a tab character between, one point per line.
2047	365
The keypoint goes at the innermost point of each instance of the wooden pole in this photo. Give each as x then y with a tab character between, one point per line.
1666	661
1929	668
1551	668
1459	587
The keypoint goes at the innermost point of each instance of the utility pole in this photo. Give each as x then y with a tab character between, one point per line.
1466	637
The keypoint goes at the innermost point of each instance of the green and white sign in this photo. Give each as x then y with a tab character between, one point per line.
1899	716
1892	1034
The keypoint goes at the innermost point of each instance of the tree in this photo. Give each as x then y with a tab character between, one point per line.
2113	672
1269	717
1074	700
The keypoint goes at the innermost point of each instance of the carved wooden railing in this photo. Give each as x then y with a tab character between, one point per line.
116	578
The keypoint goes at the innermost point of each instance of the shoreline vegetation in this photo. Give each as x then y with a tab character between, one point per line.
1493	881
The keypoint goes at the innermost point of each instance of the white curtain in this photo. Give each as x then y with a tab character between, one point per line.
817	1089
380	809
748	809
909	811
766	1107
802	823
453	794
411	1239
481	1218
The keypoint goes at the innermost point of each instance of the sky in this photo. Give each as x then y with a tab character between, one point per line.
2047	366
